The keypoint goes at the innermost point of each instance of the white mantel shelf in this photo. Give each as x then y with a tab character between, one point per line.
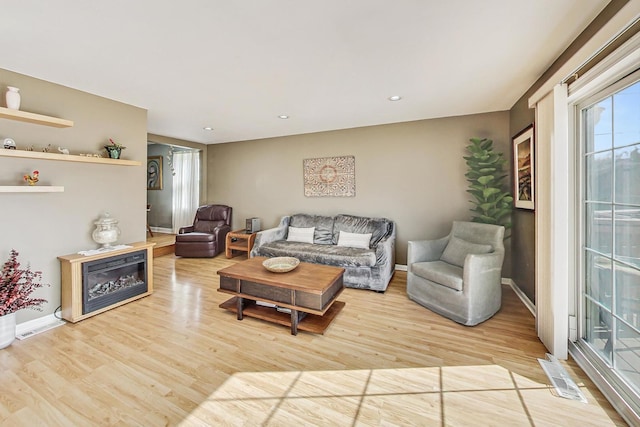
39	119
31	189
66	157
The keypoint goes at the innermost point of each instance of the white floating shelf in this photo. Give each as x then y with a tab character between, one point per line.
39	119
66	157
31	189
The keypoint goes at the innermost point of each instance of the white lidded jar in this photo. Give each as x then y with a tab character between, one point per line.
107	231
13	98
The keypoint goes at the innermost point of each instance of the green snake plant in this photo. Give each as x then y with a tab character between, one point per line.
492	204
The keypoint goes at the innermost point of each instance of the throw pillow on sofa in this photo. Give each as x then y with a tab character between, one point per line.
458	249
354	240
302	235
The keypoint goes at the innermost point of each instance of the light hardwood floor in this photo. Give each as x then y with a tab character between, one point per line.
175	358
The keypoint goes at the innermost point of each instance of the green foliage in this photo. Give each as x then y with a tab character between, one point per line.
492	204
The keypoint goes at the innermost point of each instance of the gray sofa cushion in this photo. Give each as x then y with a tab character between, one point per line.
323	224
440	272
458	249
320	254
378	227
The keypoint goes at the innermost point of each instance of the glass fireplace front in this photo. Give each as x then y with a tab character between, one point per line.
114	279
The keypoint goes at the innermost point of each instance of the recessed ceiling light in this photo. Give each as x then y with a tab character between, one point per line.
207	128
395	98
283	116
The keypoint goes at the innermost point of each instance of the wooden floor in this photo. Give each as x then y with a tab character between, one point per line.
175	358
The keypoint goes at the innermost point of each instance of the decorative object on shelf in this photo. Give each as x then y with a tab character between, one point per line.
106	232
13	98
524	169
16	286
9	144
47	148
330	176
33	178
485	174
281	264
154	173
63	150
114	149
29	148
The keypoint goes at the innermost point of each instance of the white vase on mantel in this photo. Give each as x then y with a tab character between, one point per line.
13	98
7	329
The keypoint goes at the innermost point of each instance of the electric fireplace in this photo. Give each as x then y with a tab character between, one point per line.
111	280
92	284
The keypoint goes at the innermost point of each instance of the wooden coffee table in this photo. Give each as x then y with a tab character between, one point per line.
309	292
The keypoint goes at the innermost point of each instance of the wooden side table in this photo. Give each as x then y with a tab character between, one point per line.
239	240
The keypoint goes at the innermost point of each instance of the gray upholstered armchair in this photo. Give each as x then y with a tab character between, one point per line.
458	276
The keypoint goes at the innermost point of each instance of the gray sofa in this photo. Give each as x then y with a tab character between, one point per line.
370	266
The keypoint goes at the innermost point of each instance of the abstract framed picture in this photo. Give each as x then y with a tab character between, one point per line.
524	169
330	176
154	173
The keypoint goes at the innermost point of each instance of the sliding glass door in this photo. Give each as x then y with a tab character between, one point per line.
610	231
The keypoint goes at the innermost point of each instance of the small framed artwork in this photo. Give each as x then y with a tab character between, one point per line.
524	169
154	173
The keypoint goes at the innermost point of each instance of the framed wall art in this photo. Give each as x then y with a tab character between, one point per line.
524	169
330	176
154	173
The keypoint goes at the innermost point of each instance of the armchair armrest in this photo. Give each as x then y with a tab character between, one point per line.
425	250
188	229
221	233
483	272
270	235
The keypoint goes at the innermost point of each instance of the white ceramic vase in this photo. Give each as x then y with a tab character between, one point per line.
7	329
13	98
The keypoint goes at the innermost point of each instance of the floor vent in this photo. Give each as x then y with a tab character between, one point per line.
40	329
564	385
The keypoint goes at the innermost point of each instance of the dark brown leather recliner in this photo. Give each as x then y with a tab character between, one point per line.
207	236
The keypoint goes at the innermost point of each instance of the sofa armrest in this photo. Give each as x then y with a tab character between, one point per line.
386	250
270	235
188	229
425	250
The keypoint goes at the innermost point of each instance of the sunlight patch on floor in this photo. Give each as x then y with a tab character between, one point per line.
453	395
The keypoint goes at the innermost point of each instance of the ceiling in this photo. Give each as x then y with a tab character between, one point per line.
327	64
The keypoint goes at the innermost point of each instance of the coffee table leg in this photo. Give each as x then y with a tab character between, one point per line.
239	306
294	322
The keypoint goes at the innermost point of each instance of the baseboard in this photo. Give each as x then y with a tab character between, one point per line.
401	267
35	326
162	230
523	297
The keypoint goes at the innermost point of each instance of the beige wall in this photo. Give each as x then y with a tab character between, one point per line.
44	226
412	173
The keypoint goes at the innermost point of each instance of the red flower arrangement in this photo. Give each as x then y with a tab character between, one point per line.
16	286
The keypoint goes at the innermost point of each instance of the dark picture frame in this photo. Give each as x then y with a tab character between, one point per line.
154	173
524	169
